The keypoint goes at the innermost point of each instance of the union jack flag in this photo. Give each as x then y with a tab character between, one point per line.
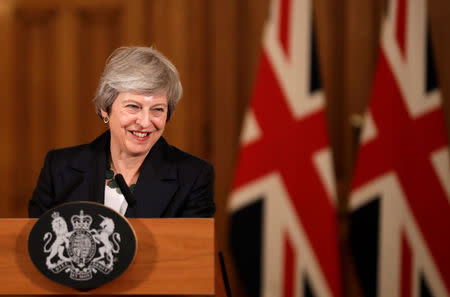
401	188
283	221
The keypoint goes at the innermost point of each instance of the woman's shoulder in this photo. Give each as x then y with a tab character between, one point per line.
70	151
187	165
67	155
191	170
184	158
74	154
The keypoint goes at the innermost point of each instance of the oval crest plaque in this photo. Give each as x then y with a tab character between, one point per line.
82	244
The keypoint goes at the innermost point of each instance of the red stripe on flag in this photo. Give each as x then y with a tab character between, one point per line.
401	26
289	267
407	273
287	146
285	8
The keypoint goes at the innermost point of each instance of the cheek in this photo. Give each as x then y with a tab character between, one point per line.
160	123
126	120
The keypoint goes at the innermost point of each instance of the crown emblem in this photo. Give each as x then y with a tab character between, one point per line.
81	221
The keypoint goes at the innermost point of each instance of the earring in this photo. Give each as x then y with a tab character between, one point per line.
106	120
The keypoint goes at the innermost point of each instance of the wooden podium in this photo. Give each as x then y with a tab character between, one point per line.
174	257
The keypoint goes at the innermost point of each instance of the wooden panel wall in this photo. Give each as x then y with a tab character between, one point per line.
52	53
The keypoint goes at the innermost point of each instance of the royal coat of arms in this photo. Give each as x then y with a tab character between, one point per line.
83	250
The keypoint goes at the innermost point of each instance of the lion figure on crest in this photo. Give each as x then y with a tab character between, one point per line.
61	242
108	248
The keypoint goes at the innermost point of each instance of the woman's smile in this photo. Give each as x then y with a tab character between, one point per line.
140	136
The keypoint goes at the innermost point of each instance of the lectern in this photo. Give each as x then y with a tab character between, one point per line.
174	257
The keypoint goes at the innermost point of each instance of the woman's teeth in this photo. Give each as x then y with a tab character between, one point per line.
140	134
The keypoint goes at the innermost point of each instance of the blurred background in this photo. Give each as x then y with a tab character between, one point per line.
53	52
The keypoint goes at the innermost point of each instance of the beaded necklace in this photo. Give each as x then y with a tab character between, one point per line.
110	180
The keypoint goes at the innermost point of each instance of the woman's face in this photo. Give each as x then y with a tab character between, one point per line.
136	122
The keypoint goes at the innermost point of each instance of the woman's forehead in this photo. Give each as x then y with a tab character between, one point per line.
143	98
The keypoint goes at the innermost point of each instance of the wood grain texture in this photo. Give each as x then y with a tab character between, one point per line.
174	257
7	74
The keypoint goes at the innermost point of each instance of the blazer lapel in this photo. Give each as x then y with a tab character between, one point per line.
91	164
157	183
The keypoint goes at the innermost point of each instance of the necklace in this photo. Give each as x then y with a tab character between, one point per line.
111	182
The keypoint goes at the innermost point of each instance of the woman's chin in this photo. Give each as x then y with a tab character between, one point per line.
137	150
137	153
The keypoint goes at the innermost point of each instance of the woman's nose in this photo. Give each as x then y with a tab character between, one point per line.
144	119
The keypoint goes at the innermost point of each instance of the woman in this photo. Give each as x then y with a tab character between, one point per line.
137	95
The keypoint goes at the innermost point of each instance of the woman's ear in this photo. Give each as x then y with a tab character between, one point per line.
105	116
104	113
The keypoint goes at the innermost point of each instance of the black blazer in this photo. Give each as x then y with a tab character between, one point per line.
171	183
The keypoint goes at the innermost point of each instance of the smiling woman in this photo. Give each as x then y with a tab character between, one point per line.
137	95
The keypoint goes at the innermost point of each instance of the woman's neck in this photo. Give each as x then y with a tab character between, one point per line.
128	166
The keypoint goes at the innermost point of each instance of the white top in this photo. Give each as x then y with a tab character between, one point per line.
115	200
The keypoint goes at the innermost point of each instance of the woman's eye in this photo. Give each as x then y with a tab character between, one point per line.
133	106
158	111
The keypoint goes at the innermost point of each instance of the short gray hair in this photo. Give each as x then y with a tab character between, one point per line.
141	70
